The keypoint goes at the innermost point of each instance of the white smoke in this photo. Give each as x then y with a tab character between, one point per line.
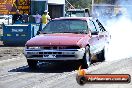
120	29
120	45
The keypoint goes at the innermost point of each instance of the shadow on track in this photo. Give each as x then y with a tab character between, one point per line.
11	45
48	68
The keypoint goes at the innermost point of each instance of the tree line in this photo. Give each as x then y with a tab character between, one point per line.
88	3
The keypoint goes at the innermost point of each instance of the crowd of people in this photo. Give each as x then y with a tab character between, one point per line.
19	18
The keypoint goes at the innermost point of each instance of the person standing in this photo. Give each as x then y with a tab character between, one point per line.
25	17
17	17
37	17
45	18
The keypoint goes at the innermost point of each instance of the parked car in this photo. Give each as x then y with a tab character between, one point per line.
77	39
6	19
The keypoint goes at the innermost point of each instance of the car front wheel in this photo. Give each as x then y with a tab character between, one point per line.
86	61
32	64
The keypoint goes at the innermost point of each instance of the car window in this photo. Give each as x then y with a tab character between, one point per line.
96	25
101	27
92	26
58	26
78	25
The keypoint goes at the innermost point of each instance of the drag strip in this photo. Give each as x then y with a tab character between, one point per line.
15	73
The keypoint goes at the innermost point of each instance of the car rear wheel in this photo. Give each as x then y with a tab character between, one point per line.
101	56
32	64
86	61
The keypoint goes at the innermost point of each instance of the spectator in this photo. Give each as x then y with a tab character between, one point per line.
25	18
37	17
17	17
45	18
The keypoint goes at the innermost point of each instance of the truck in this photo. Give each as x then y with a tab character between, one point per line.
77	39
78	13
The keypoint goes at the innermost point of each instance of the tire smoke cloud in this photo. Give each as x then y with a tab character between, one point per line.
120	28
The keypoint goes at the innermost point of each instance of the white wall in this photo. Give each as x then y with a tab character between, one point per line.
39	0
56	1
53	1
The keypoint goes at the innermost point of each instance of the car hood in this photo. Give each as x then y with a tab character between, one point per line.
56	39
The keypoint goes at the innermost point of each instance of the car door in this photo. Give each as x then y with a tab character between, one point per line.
94	41
102	35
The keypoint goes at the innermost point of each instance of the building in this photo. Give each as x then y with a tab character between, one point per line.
56	8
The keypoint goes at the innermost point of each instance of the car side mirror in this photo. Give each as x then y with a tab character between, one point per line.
94	33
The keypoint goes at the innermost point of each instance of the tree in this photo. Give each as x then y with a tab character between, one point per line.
105	1
81	3
87	3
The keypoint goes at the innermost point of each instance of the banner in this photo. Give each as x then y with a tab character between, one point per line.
10	6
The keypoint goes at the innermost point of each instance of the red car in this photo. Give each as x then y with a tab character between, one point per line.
77	39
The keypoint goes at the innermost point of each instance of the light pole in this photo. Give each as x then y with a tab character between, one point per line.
92	6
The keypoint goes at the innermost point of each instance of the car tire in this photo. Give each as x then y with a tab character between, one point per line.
32	64
86	61
101	56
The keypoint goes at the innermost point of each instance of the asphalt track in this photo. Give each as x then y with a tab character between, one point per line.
15	73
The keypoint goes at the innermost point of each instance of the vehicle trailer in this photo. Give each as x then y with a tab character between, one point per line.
78	13
18	34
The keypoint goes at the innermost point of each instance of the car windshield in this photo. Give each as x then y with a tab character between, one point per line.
66	26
